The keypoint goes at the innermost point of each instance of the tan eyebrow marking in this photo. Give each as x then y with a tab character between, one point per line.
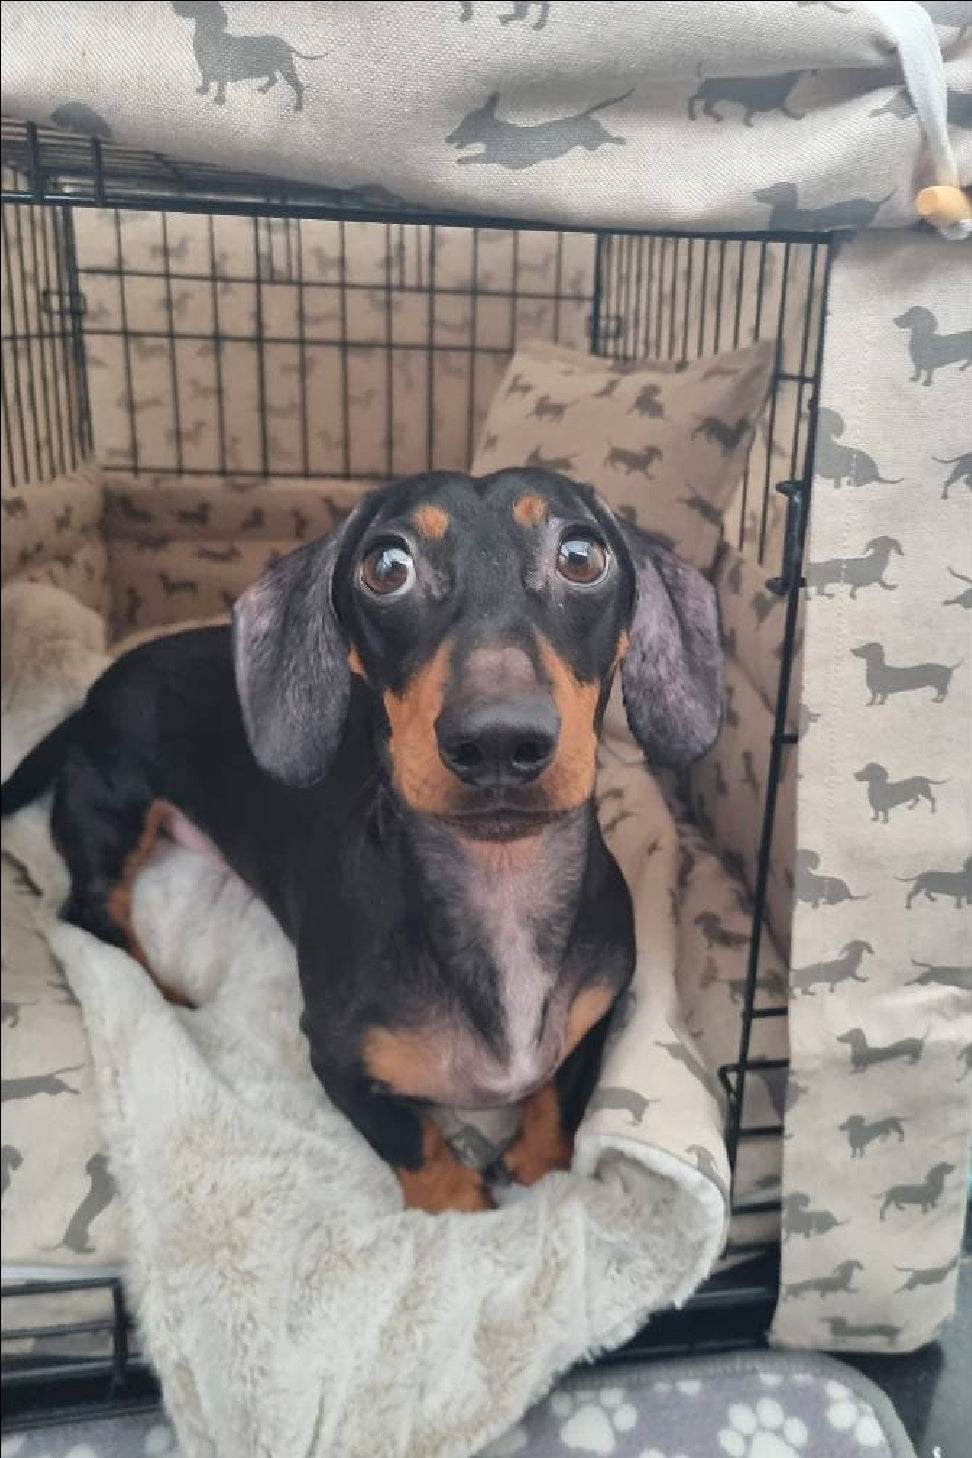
530	511
431	522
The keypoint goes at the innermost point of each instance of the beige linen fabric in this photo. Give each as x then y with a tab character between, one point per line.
613	113
52	533
59	1200
880	981
664	444
185	548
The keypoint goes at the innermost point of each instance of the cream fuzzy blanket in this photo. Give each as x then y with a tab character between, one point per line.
288	1302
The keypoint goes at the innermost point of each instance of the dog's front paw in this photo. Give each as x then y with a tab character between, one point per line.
440	1182
528	1159
437	1190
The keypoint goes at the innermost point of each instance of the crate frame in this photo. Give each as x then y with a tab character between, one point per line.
47	176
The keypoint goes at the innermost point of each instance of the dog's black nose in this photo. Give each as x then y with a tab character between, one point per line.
499	744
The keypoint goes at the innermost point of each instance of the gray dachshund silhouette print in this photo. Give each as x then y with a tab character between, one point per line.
518	386
783	201
620	1101
843	1330
958	108
929	350
806	718
100	1195
39	1083
645	403
681	1054
883	679
965	1058
749	772
716	935
860	1133
521	11
547	409
762	605
885	794
702	508
961	471
771	984
856	572
507	144
956	885
718	432
844	968
840	1280
962	599
839	463
10	1160
74	116
864	1056
932	976
925	1195
629	461
706	1164
800	1219
753	93
929	1276
10	1011
819	890
557	464
222	57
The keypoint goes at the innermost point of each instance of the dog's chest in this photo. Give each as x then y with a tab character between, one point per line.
509	969
525	978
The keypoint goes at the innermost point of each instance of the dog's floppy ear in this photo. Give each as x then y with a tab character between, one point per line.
291	662
671	674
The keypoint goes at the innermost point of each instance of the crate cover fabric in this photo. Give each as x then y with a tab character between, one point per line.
880	982
748	115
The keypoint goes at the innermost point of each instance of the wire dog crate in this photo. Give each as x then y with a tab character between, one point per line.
240	336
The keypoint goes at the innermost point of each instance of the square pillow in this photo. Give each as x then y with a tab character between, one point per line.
665	443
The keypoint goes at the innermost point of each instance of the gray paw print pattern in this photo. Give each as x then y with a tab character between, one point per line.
878	1129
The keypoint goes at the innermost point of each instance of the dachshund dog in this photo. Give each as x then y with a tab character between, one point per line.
394	746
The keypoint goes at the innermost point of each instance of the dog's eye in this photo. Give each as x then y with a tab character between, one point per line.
582	559
388	570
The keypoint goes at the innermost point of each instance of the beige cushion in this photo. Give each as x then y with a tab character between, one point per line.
728	786
52	534
183	548
664	443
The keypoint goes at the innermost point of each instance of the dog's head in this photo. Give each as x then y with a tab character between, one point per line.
871	772
486	619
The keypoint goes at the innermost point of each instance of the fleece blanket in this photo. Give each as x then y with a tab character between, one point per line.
289	1303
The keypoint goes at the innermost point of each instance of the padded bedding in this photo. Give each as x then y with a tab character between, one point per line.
59	1210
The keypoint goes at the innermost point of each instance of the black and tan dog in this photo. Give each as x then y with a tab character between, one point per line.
395	747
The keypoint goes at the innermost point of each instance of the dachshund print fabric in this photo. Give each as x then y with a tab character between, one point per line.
752	119
881	973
